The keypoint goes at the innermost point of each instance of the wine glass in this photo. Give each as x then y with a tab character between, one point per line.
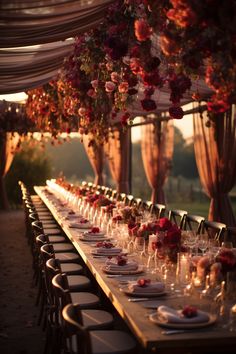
190	239
203	242
227	244
152	239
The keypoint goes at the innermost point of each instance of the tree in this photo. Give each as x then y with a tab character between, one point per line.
184	163
30	166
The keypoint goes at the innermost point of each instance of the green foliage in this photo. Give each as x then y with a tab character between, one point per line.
69	158
30	166
184	163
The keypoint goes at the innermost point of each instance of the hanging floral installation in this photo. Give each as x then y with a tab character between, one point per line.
142	47
45	107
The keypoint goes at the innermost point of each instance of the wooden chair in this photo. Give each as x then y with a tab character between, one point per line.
94	342
91	318
137	202
158	210
214	229
177	216
129	199
194	223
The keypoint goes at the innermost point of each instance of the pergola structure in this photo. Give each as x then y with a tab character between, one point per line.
36	36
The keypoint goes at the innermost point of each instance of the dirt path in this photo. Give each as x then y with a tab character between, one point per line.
19	333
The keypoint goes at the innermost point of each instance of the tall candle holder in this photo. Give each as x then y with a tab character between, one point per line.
183	268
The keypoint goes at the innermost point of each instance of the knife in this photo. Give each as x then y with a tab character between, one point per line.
134	299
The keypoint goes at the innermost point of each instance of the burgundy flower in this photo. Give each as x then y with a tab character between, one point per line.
152	79
189	311
165	224
148	104
121	261
173	237
176	112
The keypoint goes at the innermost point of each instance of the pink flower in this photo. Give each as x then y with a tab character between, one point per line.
135	66
82	111
115	77
142	30
94	84
91	93
123	87
110	86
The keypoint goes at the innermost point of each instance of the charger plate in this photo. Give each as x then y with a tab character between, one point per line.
139	270
159	321
128	292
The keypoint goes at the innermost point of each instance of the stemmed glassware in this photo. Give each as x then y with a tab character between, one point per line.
190	239
203	240
151	246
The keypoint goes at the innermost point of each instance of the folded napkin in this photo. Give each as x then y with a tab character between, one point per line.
113	266
92	234
105	250
153	287
170	315
73	217
78	225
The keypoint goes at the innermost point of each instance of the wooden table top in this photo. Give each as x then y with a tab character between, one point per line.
206	340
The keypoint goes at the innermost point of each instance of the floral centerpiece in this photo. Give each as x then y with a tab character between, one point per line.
101	201
169	239
217	267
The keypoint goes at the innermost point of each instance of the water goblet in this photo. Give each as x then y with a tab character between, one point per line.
203	242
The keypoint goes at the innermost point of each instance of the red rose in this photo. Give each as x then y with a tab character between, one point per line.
173	236
121	261
143	282
95	230
189	311
165	224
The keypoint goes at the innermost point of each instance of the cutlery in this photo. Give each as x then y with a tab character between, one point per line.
134	299
174	331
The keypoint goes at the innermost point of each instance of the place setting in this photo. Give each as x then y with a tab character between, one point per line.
122	265
188	317
94	234
106	249
143	288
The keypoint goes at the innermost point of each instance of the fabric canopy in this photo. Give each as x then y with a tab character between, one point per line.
28	67
32	22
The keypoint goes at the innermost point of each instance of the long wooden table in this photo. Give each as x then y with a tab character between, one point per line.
212	339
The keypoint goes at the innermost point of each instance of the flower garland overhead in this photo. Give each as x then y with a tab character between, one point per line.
142	47
45	107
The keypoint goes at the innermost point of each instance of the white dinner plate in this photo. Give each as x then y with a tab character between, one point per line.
108	254
140	294
161	322
94	238
139	270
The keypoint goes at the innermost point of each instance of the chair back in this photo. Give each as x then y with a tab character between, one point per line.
70	314
177	216
158	210
194	223
215	229
129	199
62	295
137	202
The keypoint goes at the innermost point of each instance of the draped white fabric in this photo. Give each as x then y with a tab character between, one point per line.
29	67
32	22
